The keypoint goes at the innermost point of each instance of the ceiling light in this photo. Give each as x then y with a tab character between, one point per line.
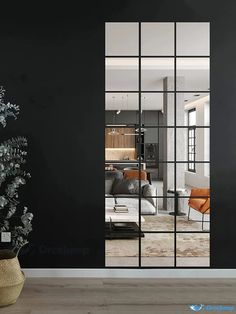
118	111
113	132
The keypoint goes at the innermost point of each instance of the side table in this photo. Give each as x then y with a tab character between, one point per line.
176	193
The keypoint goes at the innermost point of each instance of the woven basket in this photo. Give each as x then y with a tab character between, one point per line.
11	278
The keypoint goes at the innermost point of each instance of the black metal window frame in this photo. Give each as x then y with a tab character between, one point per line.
191	143
175	127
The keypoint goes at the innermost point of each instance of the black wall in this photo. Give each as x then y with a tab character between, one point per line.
54	68
52	64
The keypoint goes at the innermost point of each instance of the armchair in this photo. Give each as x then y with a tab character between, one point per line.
200	201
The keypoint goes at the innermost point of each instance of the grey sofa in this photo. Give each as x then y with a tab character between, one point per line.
126	191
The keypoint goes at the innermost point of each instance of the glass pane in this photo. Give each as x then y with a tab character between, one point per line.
195	181
121	74
193	146
121	109
122	252
157	249
121	137
157	109
186	103
157	39
162	221
153	103
121	230
121	39
193	74
193	39
194	219
157	74
193	250
157	146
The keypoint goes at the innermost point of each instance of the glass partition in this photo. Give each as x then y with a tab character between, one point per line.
157	144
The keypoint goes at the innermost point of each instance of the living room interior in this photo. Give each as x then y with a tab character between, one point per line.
157	147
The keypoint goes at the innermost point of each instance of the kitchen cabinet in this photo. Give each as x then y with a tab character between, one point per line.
120	140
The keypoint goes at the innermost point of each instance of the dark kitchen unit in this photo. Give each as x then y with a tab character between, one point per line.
151	152
151	155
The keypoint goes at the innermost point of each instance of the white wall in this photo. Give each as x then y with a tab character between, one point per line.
201	177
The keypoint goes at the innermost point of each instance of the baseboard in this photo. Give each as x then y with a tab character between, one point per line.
131	273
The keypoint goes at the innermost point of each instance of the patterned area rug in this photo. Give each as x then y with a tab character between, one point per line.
162	244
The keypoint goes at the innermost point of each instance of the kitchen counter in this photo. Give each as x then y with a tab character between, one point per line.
120	164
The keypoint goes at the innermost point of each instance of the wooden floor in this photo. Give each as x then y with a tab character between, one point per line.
139	296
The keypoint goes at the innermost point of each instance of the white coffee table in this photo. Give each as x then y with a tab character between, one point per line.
131	216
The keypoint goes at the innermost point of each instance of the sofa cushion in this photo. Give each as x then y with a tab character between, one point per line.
127	186
149	192
124	186
111	174
110	177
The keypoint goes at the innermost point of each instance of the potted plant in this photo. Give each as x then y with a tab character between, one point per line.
15	220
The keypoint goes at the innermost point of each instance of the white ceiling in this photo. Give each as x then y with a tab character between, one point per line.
157	39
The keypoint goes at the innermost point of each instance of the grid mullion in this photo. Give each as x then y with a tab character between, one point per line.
154	56
128	125
175	151
158	91
139	144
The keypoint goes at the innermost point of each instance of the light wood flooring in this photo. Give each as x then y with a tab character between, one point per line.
139	296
